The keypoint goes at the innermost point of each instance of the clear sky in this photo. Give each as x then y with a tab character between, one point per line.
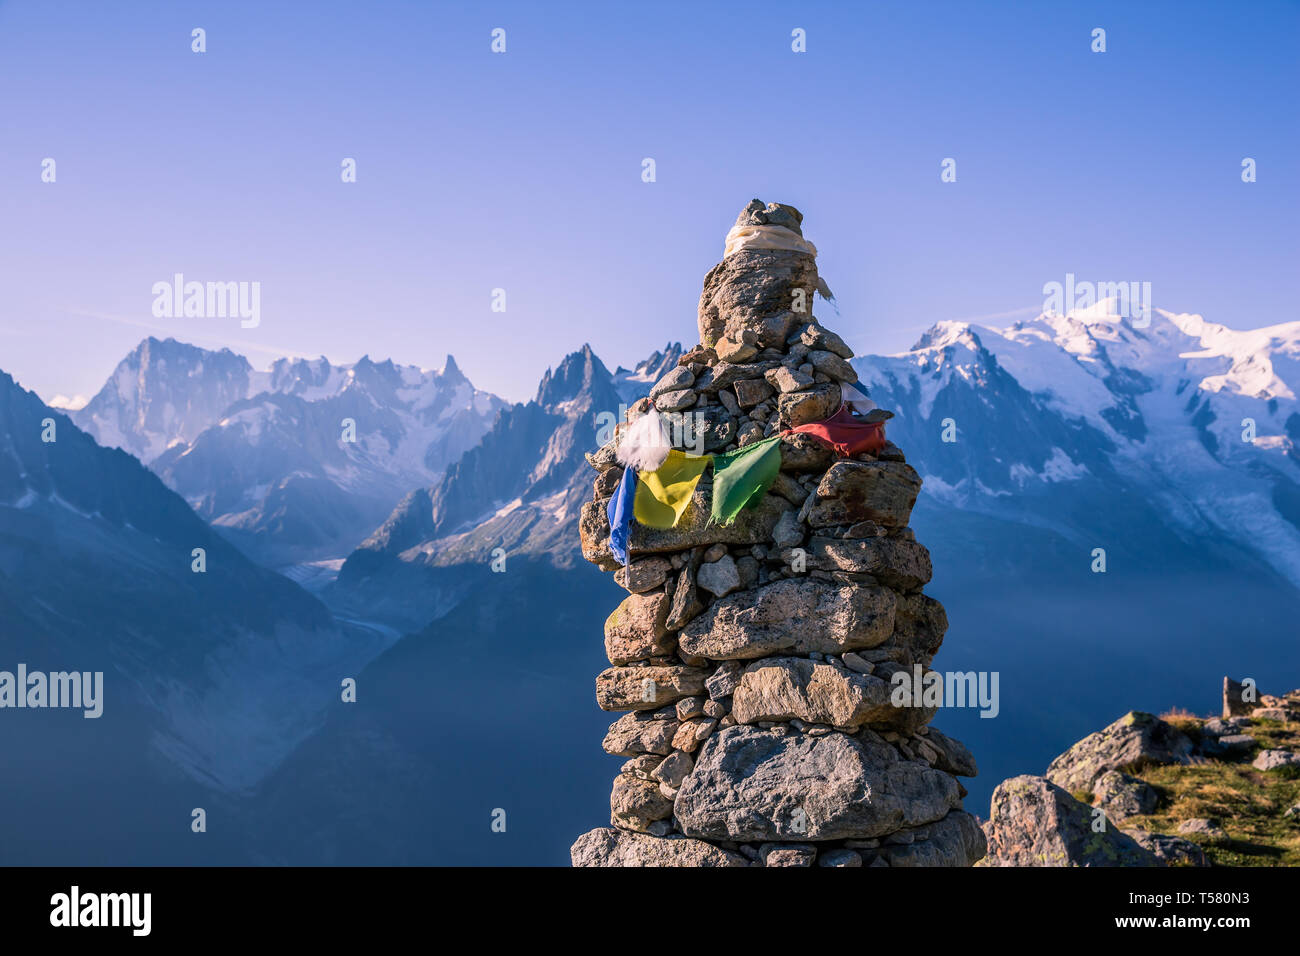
522	170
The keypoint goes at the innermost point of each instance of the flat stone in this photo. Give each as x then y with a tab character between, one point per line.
954	758
729	351
719	577
646	688
828	363
674	768
609	846
788	531
676	379
785	688
644	575
640	733
787	855
785	380
675	401
793	615
816	337
896	562
752	391
725	680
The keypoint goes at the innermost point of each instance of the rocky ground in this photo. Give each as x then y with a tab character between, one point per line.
1149	791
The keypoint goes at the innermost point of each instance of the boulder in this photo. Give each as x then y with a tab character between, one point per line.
608	846
752	784
1033	822
1203	827
852	491
1135	740
794	616
1275	760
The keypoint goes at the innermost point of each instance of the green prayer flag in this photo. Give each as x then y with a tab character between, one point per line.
742	477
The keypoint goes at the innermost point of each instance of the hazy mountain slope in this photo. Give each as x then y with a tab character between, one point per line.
209	678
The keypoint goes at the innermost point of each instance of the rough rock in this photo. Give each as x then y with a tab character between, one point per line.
754	291
640	733
852	491
1135	740
956	840
719	577
634	803
785	688
1275	760
1123	796
895	562
637	629
1033	822
646	688
754	784
795	616
1170	850
608	846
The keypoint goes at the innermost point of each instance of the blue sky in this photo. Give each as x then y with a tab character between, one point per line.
523	171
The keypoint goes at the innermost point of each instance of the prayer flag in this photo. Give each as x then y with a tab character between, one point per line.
742	477
619	512
846	434
662	495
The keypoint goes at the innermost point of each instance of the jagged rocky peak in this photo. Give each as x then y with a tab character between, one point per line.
756	658
579	372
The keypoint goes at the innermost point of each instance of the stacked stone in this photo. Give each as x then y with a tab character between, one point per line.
755	659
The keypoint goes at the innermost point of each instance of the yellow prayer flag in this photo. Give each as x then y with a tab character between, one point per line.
662	495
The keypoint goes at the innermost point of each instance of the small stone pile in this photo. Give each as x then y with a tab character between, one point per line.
755	659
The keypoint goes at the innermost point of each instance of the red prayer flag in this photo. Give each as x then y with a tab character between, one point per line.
846	434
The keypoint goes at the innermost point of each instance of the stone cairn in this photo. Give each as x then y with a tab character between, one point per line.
755	659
